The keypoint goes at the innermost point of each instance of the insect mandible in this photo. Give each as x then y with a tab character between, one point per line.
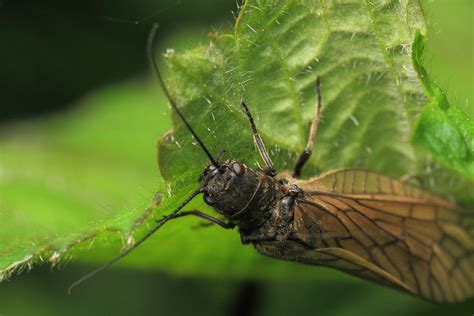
357	221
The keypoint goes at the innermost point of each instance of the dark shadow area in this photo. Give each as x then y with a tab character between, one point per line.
52	52
119	291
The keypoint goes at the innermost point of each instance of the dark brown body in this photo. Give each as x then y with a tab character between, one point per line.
357	221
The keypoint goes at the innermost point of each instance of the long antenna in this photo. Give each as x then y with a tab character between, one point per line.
150	45
138	243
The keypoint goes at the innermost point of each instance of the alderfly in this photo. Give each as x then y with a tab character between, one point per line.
357	221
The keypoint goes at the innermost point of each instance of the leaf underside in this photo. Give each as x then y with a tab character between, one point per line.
91	176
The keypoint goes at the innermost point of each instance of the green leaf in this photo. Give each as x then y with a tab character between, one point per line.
446	133
371	95
272	59
91	176
75	177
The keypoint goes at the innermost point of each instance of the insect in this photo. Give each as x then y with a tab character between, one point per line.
357	221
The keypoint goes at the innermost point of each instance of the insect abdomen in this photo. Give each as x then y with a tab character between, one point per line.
384	230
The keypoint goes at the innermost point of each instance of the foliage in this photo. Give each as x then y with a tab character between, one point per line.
446	133
86	179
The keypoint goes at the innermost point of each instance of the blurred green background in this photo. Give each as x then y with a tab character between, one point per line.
52	53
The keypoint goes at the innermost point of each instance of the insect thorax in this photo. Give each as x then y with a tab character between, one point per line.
245	196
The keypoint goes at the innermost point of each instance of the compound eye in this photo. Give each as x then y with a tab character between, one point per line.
238	168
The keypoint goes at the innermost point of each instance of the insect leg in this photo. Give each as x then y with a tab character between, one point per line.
306	154
271	171
206	217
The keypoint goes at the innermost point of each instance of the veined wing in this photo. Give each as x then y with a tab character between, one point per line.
382	229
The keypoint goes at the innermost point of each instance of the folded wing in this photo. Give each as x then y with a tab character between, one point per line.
384	230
